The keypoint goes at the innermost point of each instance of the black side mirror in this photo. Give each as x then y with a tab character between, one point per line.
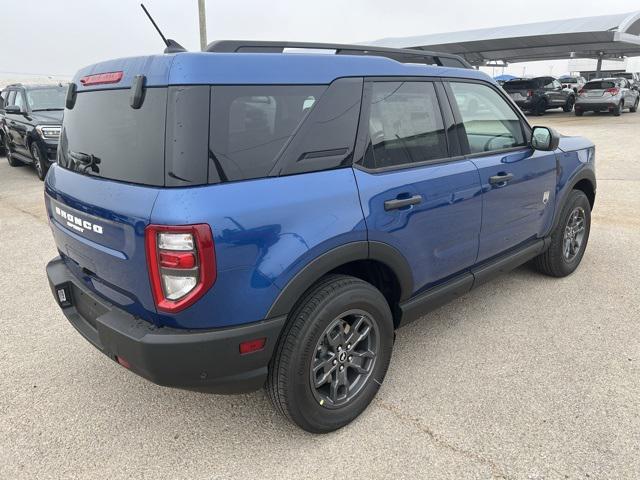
545	139
12	109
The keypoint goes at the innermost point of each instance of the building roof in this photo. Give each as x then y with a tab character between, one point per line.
606	36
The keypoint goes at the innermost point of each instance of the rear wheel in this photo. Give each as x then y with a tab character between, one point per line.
618	110
10	158
333	355
569	238
541	108
579	113
569	105
635	106
38	161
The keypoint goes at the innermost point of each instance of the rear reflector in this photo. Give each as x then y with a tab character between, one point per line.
101	78
252	345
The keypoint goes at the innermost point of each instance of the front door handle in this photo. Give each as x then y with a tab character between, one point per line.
502	178
402	202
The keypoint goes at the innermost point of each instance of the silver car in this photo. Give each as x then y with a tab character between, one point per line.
607	94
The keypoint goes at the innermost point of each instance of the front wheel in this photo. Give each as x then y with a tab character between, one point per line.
38	161
333	354
541	108
569	238
634	109
618	110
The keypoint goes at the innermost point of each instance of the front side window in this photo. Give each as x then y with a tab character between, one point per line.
19	101
489	122
405	125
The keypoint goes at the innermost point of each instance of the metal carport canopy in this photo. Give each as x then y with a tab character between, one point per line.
607	36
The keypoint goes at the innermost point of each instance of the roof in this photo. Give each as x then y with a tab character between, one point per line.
611	36
32	86
200	68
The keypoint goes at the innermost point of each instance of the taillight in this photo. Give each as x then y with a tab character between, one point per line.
581	92
530	93
612	91
101	78
182	264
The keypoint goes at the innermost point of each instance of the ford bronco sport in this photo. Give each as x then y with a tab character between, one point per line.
227	221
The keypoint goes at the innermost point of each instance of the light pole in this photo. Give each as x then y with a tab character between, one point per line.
203	25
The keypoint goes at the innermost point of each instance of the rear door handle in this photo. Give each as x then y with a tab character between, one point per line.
501	178
402	202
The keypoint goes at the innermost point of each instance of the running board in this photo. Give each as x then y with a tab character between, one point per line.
419	305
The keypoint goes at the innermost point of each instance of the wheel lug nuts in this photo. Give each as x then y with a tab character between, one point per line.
335	362
341	367
350	358
348	346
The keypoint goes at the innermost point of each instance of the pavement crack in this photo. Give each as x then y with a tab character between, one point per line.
441	442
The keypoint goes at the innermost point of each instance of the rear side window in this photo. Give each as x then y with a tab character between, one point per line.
405	125
104	137
489	122
251	125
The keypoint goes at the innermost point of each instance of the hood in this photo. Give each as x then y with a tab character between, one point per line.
48	117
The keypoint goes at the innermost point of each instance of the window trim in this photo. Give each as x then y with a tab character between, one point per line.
464	143
363	135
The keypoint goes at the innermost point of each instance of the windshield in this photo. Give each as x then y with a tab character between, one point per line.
46	98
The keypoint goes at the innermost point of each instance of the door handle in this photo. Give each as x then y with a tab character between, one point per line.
501	178
402	202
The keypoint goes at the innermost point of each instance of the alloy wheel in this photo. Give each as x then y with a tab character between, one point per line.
344	358
35	153
574	231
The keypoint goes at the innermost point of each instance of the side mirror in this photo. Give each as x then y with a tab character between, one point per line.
12	109
545	139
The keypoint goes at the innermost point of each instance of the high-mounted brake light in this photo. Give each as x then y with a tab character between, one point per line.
101	78
182	264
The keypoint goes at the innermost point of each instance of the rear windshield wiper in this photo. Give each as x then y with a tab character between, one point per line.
86	161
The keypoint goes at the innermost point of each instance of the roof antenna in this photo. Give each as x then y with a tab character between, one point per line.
172	45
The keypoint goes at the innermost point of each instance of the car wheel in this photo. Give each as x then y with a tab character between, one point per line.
38	161
618	110
333	354
635	106
569	238
541	108
13	161
569	105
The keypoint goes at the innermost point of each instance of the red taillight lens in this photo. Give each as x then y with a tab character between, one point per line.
101	78
182	264
252	345
612	91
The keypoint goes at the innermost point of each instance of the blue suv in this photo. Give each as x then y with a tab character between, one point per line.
241	218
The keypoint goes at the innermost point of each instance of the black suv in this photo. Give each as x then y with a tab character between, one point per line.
30	120
537	95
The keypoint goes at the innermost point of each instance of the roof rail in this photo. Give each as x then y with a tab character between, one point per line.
402	55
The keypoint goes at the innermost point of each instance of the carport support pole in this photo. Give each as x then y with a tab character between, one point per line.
203	25
599	66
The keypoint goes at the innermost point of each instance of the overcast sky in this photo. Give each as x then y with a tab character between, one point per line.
59	37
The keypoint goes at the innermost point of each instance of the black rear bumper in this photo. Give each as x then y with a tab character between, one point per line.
190	359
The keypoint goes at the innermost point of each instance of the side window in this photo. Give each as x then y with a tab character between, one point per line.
557	84
3	98
547	83
19	102
489	122
405	125
12	97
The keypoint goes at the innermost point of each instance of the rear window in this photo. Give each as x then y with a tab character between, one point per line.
568	80
519	85
599	85
251	125
104	137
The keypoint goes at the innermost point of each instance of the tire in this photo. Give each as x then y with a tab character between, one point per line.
541	108
578	113
634	109
38	161
555	261
618	110
304	341
10	158
569	105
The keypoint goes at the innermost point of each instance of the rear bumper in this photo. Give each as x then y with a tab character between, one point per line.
190	359
588	106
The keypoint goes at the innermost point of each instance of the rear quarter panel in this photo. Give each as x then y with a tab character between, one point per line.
265	231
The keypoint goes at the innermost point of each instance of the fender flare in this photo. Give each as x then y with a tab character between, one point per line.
584	174
336	257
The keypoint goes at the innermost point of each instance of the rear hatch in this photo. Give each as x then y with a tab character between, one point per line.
111	166
520	89
598	89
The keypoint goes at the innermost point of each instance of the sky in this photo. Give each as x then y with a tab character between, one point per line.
57	38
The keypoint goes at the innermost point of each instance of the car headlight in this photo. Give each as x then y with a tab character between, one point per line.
49	131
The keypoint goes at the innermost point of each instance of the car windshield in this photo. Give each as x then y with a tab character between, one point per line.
46	98
599	85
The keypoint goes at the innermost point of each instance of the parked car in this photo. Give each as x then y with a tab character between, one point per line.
30	120
228	221
575	83
607	94
537	95
632	77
